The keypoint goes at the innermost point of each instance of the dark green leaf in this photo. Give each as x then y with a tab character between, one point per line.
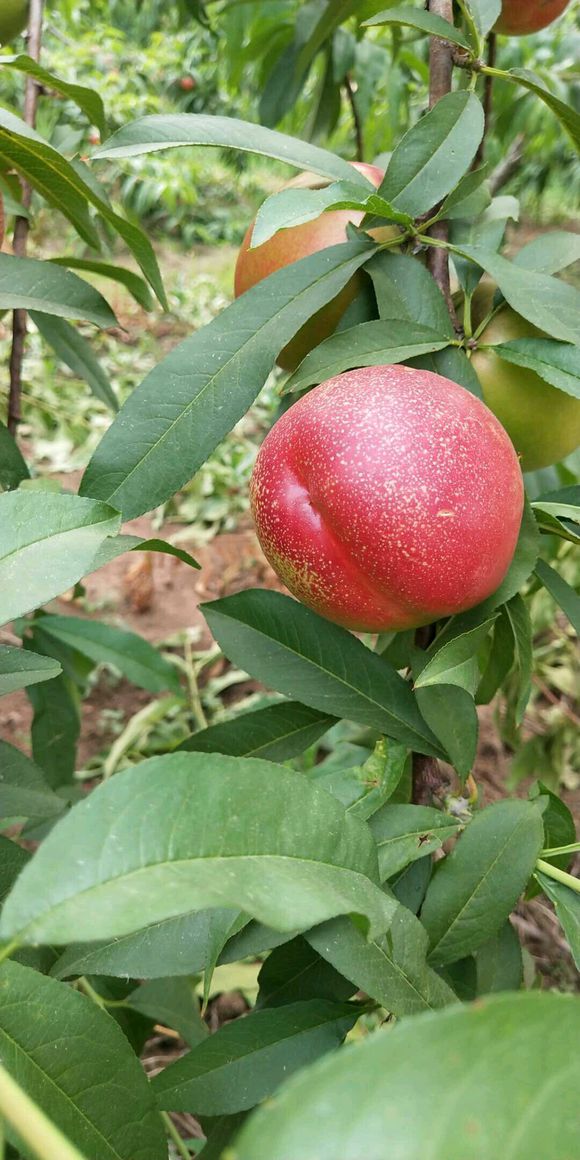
277	732
567	905
499	661
425	21
46	544
149	134
73	350
318	863
442	1084
133	283
517	612
404	833
433	155
451	713
184	945
559	826
470	197
208	382
55	728
13	468
115	546
477	885
485	13
295	971
567	116
376	343
134	657
405	289
245	1061
23	789
561	591
410	886
453	364
19	668
29	284
174	1003
445	661
293	207
391	969
499	962
297	652
92	1087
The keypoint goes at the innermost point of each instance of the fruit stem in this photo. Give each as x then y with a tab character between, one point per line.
440	72
20	241
559	875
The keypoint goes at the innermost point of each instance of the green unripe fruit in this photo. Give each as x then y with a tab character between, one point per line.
542	422
13	19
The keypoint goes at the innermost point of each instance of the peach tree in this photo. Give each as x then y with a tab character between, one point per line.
372	886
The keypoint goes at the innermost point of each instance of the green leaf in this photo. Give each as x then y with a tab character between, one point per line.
293	207
499	962
28	284
564	595
115	546
133	656
12	860
87	99
376	343
68	188
149	134
412	1075
24	791
453	364
558	822
410	885
443	660
485	13
295	651
174	1003
92	1087
433	155
73	350
55	727
425	21
550	252
47	171
519	617
567	116
405	289
46	544
295	971
19	668
391	969
470	197
321	862
184	945
364	789
549	303
277	733
247	1060
499	661
13	468
208	382
486	231
132	282
451	713
404	833
567	906
557	363
477	885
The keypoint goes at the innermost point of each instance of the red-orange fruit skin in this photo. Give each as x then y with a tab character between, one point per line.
388	497
289	246
522	19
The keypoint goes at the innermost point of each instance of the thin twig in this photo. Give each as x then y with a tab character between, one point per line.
487	98
358	129
440	71
510	164
20	242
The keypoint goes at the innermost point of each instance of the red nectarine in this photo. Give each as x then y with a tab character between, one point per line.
521	19
387	498
289	246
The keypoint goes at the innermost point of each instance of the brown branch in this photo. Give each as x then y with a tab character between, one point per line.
20	242
487	101
440	71
358	129
510	164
